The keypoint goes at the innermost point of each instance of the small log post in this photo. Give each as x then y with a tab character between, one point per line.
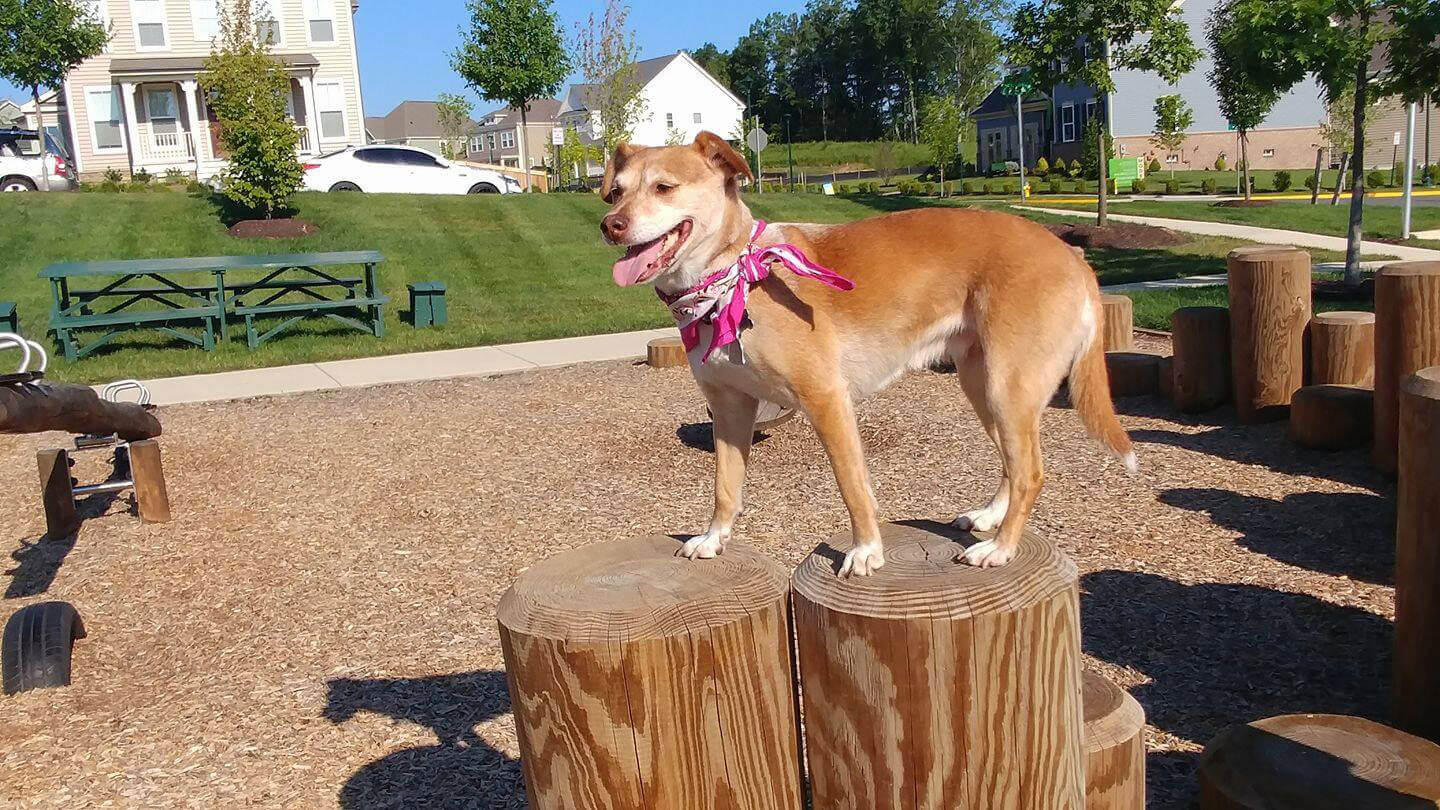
1133	374
1407	339
1269	310
152	500
1342	349
1201	337
1114	746
57	493
645	681
932	685
42	406
665	352
1417	557
1318	762
1332	417
1119	322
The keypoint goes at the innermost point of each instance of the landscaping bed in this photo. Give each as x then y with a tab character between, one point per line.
1118	236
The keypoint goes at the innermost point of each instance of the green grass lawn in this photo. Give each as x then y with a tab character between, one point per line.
1154	307
517	267
824	156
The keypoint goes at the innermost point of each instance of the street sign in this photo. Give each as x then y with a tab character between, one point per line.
1017	84
1397	139
557	136
757	140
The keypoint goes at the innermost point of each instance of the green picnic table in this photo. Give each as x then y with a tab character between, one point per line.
120	296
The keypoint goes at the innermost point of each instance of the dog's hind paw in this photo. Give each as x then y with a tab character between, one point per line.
863	560
986	554
984	519
704	546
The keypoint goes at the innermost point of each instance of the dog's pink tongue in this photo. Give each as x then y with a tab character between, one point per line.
636	263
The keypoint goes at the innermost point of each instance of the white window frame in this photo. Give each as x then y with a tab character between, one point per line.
669	120
507	139
1092	106
196	6
697	118
1067	135
1172	158
275	14
339	85
90	108
136	22
312	9
1267	153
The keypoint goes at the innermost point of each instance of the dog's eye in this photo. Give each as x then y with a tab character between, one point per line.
664	188
614	195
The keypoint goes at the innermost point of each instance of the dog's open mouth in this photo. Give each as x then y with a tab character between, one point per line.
646	261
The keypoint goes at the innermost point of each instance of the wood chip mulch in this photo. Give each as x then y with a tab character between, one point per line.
1119	236
316	627
277	228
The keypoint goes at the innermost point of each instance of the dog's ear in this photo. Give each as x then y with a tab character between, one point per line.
722	156
623	152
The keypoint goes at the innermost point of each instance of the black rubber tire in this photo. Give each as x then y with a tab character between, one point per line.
26	183
35	650
344	185
483	188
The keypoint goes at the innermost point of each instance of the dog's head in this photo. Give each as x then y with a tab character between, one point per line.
674	208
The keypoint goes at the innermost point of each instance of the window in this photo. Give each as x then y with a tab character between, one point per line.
266	14
321	16
161	109
1067	123
410	157
106	130
697	118
150	34
330	109
1172	158
382	155
205	19
1267	153
474	144
1090	107
669	120
507	140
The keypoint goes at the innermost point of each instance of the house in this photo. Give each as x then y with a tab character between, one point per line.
9	113
413	123
137	105
496	138
1386	132
680	100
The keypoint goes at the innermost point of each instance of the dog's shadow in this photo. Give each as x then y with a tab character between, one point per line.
701	436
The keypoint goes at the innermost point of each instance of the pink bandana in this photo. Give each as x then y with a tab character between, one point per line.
719	299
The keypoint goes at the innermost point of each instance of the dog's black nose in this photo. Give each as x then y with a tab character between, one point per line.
614	225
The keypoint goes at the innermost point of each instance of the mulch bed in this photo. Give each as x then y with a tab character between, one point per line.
317	624
278	228
1119	235
1339	290
1242	204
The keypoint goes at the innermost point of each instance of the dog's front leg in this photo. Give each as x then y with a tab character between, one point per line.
733	413
834	420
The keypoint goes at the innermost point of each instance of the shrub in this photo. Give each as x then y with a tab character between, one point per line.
1172	185
196	187
989	187
136	185
842	188
929	188
1042	168
1079	187
1375	179
1312	182
1209	186
174	176
1430	174
1056	186
109	186
968	187
1012	187
141	178
1220	163
1059	167
1154	167
1138	185
950	188
114	176
1282	180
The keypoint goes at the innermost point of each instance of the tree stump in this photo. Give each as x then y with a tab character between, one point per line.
1201	338
1133	374
1119	322
1165	371
1342	349
935	685
1332	417
1407	339
1114	746
1269	310
644	680
665	352
1318	762
152	499
1417	557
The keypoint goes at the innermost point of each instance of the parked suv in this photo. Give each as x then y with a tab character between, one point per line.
23	167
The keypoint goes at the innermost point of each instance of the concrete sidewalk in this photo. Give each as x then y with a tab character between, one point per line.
1270	236
399	368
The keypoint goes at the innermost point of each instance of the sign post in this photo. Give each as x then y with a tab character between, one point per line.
1409	171
1018	85
757	140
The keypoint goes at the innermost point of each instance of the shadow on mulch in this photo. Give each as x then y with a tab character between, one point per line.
1219	654
462	771
1268	445
38	559
701	436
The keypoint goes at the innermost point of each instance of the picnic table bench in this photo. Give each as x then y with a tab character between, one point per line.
153	294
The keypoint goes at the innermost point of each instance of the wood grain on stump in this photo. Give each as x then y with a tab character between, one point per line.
1269	310
1133	374
644	680
1332	417
1407	339
57	493
1417	557
665	352
1342	349
152	499
1118	325
932	684
1318	762
1114	746
1201	340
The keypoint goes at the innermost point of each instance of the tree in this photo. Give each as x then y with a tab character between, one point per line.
1414	57
245	87
41	41
1083	41
715	61
941	121
452	113
883	160
605	52
1243	103
1092	167
512	51
1173	119
574	158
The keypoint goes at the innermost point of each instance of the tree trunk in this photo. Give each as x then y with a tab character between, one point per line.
1315	192
524	130
1340	178
1357	176
1102	217
1245	163
40	130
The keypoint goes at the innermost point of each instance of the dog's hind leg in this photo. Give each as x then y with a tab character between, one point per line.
734	427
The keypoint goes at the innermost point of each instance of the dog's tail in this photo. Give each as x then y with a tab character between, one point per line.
1090	393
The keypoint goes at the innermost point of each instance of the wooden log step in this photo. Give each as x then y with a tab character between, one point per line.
1342	349
1201	338
665	352
1118	322
1332	417
1133	374
1269	310
1114	746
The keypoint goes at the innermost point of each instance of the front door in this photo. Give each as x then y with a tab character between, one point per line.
163	111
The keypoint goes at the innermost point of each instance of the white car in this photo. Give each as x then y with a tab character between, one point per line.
22	167
397	169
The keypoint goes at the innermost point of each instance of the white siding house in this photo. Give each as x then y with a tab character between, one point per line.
137	105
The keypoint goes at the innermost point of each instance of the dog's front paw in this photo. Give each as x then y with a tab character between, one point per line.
863	560
704	546
984	519
987	554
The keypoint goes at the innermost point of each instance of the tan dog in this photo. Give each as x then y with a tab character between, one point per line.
1004	299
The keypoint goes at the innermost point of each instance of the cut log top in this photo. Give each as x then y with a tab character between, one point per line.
1344	318
922	580
637	589
1267	253
1321	762
1411	269
1423	383
1112	716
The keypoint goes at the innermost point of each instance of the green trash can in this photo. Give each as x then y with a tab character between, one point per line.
427	303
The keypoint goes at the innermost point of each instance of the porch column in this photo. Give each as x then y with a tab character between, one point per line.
307	94
192	121
132	129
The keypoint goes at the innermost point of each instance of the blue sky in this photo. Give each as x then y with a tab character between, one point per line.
405	45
